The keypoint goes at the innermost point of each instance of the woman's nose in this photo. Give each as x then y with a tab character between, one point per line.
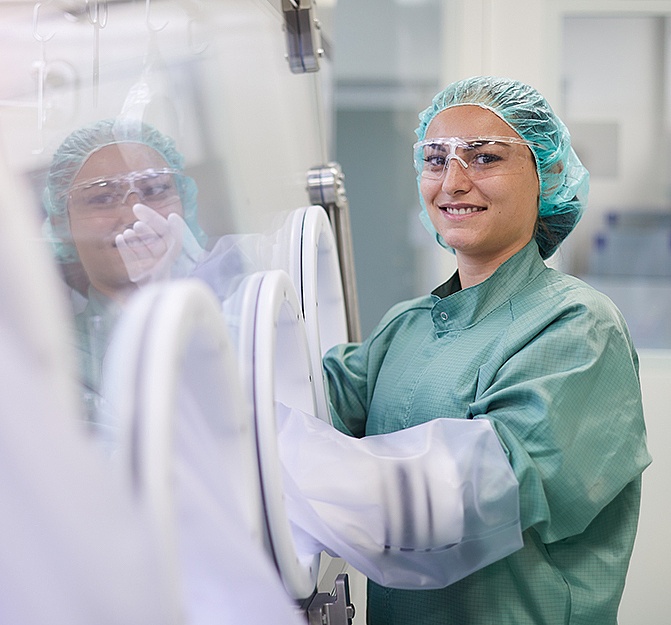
132	196
455	177
125	207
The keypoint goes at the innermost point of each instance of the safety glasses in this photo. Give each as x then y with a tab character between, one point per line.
153	187
480	157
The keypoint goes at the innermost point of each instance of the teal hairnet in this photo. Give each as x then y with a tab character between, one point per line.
71	156
564	181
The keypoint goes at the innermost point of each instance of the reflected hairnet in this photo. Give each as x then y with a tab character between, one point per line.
71	156
564	181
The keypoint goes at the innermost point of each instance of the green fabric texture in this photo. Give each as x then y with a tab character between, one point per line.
93	331
94	327
548	360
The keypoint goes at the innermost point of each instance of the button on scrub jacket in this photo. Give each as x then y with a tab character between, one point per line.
549	362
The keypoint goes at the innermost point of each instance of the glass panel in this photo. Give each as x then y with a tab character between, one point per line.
186	107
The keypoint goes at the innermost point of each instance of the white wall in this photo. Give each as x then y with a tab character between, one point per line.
647	600
613	73
500	38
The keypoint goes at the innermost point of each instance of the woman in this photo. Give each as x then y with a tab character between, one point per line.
98	176
120	214
541	357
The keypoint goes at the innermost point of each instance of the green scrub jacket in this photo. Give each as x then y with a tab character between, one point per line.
93	331
549	362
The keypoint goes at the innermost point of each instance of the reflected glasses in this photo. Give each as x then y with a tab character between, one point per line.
480	157
153	187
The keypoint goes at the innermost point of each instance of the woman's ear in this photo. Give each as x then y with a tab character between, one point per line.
60	226
75	277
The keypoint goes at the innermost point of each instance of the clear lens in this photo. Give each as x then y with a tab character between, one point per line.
154	187
479	156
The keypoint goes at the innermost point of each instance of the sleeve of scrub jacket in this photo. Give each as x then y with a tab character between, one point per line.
351	373
567	409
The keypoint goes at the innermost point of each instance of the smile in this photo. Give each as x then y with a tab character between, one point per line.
462	210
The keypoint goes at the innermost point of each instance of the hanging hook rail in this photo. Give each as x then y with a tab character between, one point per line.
97	13
42	67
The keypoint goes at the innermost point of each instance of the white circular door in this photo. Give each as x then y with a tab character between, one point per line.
187	433
311	256
276	368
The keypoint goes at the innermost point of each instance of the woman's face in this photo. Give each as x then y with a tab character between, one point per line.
95	219
484	219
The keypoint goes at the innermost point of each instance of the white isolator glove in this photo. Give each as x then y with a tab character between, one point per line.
417	508
157	248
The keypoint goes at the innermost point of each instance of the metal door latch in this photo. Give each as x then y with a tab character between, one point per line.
326	187
302	28
332	608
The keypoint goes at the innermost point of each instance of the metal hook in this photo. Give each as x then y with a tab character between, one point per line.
41	66
97	17
36	18
189	37
147	19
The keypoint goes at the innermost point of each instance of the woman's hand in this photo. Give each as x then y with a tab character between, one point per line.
150	248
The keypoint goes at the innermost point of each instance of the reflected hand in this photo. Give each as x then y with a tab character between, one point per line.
151	247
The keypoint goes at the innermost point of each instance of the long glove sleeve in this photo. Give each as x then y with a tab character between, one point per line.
417	508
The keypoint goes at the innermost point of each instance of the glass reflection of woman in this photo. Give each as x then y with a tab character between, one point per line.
120	213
